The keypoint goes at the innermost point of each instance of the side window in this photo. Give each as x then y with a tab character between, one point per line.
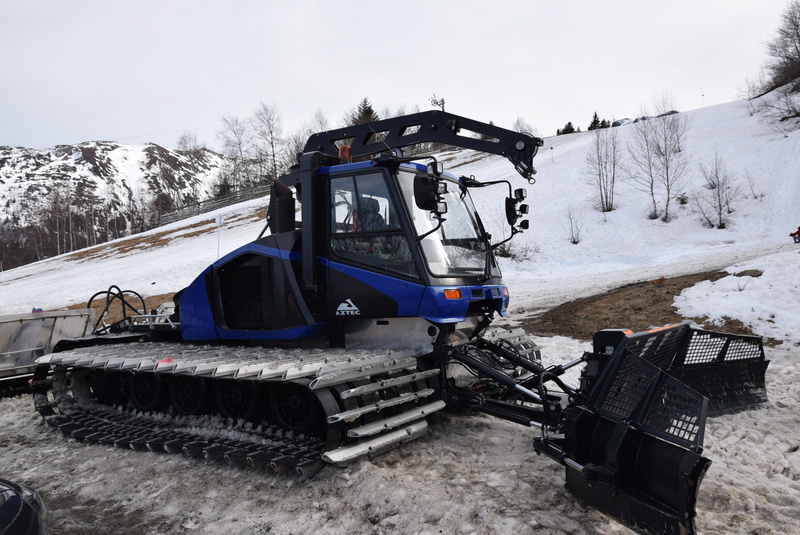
361	204
365	226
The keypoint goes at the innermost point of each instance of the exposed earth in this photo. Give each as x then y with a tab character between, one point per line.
638	307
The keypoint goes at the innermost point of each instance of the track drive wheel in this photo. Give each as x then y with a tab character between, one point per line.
295	408
146	391
237	399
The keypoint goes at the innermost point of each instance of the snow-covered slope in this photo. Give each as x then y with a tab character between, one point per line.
472	474
73	196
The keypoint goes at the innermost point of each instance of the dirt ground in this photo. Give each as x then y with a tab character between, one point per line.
637	307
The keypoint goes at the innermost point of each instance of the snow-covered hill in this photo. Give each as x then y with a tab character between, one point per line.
109	171
70	196
472	474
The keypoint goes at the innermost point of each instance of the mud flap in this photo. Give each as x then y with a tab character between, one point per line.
633	451
728	369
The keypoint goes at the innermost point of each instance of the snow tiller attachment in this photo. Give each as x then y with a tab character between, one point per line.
633	448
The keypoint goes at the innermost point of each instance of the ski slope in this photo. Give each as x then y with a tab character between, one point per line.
471	474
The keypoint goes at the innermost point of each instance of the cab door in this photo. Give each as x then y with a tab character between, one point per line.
372	271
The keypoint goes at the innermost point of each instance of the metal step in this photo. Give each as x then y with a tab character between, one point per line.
338	373
351	415
387	383
368	448
392	422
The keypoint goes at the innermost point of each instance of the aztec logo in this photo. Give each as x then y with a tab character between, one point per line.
348	309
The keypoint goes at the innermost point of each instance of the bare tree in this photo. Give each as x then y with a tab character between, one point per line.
779	107
773	92
716	201
387	112
603	163
659	156
751	182
642	171
574	225
237	143
319	123
671	155
521	125
783	67
188	141
269	142
296	142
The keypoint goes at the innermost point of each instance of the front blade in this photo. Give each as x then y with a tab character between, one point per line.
643	482
728	369
634	450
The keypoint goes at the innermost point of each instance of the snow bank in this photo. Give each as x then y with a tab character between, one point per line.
765	295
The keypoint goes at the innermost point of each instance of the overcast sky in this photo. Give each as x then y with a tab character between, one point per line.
146	71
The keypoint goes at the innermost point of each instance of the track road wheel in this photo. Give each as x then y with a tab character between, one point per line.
295	408
189	395
146	391
237	399
107	388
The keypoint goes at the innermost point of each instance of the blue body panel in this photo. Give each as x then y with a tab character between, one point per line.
407	294
436	307
197	322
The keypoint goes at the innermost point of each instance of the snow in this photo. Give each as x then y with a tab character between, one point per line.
471	473
768	302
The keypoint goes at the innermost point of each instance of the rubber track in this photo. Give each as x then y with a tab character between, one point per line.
271	447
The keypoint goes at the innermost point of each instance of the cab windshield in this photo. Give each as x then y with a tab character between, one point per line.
457	247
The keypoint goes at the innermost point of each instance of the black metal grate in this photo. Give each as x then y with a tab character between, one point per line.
658	348
744	348
627	388
703	348
639	394
675	411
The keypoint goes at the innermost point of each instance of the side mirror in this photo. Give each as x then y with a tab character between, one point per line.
428	191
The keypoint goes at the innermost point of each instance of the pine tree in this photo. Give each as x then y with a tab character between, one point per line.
568	129
595	124
363	113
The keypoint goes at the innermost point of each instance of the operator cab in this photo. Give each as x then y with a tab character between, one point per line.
406	252
392	220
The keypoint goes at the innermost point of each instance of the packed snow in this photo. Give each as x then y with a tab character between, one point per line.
471	473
